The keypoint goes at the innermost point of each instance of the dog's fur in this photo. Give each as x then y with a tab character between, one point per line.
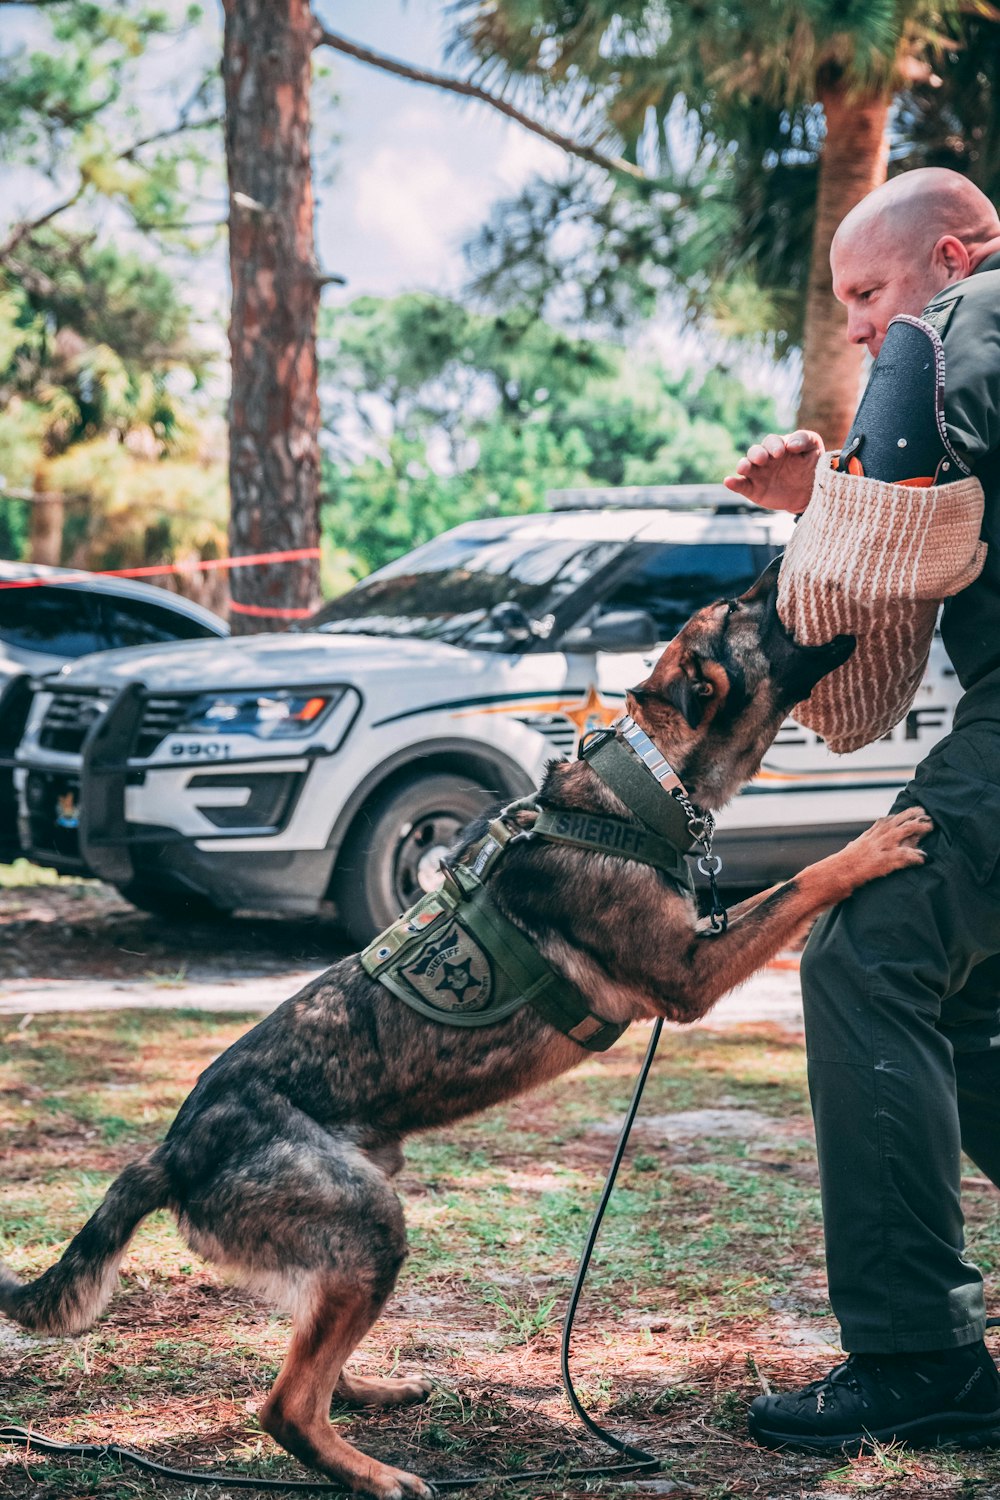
279	1164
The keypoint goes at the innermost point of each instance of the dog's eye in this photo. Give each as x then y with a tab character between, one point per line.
732	605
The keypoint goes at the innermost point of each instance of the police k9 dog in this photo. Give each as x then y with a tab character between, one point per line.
562	919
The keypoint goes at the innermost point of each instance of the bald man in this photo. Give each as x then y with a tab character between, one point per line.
901	984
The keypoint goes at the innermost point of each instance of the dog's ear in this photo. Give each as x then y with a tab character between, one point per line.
683	687
689	696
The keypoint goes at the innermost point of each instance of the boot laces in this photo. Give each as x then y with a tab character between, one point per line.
843	1377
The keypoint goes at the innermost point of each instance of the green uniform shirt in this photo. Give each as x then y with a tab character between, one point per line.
967	315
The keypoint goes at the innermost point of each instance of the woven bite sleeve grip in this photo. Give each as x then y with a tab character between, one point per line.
875	560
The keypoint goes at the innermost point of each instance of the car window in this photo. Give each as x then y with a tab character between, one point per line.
48	618
137	622
671	582
446	589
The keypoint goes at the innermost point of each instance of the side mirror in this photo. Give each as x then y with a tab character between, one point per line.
512	620
617	630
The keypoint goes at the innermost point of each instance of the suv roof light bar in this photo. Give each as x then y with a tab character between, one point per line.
714	498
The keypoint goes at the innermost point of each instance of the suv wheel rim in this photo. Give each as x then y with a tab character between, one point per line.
422	846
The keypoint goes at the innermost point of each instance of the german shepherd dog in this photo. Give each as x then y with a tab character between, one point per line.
280	1162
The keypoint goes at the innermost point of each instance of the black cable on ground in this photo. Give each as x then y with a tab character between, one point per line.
637	1460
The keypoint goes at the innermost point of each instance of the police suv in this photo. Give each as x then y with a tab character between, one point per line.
336	761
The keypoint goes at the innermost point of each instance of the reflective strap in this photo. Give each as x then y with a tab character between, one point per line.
615	836
553	997
653	759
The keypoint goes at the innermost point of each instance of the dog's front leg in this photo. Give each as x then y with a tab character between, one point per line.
717	963
742	908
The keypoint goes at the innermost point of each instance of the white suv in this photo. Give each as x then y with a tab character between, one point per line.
335	762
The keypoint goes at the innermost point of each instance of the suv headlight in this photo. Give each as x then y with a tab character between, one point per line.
269	716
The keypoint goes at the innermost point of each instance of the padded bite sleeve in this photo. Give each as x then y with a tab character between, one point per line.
874	559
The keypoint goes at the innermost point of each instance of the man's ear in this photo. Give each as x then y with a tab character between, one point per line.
952	257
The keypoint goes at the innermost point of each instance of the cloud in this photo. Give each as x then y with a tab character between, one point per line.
524	155
415	202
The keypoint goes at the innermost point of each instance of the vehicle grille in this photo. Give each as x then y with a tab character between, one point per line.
67	720
161	717
53	832
560	732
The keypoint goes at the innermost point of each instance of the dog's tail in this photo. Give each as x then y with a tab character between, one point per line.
75	1291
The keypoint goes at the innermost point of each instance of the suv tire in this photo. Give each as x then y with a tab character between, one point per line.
390	850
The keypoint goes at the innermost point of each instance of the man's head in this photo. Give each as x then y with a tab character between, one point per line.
904	243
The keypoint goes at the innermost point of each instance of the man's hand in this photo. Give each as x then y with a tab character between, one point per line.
778	472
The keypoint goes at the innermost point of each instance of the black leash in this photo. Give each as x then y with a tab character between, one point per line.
637	1459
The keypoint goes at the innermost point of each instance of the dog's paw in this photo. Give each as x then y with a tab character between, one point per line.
386	1483
366	1390
891	843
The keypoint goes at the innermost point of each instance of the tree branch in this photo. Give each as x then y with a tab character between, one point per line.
28	226
473	91
164	135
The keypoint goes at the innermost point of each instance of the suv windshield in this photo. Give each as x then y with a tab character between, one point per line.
445	590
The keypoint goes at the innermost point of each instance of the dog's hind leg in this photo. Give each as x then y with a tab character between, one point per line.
297	1411
309	1221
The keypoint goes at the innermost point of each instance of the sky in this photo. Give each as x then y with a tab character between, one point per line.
419	168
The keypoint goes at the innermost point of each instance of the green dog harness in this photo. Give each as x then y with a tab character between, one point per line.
455	958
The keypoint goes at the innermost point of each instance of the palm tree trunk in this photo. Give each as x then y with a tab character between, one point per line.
854	161
274	408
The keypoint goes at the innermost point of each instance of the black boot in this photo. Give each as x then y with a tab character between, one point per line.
929	1400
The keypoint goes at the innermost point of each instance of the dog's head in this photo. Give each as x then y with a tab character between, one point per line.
717	696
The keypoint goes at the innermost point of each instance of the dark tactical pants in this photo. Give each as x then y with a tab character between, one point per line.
901	986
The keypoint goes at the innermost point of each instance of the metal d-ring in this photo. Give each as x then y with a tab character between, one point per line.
710	865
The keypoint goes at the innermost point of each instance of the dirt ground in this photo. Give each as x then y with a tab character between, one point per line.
707	1285
75	929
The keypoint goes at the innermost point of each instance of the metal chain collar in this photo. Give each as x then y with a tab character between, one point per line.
701	827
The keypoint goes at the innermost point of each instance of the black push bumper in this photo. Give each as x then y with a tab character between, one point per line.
94	838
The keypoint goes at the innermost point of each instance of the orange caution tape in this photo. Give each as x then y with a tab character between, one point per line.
260	612
298	554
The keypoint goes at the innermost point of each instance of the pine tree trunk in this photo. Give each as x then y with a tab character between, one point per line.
274	408
853	162
46	517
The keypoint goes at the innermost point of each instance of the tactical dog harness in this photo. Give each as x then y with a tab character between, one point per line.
455	957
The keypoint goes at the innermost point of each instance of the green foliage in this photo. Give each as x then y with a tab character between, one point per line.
720	106
952	119
89	337
97	374
75	106
108	296
437	415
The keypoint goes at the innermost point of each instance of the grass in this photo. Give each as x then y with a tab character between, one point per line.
707	1281
23	873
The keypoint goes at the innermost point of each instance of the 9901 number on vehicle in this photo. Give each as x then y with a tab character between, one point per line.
200	750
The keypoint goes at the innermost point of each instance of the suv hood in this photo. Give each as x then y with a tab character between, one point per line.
262	661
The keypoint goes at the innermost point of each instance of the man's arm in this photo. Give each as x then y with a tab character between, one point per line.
777	473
